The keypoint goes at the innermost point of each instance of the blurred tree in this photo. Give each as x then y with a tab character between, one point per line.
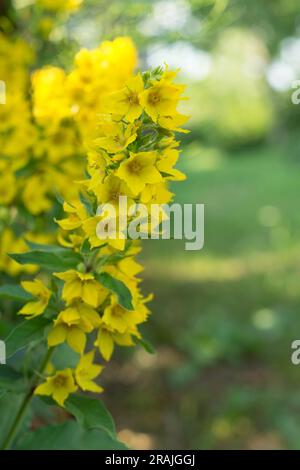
271	20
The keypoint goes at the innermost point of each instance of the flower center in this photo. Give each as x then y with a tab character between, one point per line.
117	311
60	381
133	98
134	167
114	195
118	139
58	138
154	98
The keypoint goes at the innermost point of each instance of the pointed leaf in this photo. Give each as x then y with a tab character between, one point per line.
25	333
68	436
11	380
14	291
117	287
51	260
91	413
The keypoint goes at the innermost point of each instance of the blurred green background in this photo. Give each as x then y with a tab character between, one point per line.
223	318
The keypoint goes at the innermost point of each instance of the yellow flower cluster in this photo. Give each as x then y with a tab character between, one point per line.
60	5
64	382
132	154
46	127
42	132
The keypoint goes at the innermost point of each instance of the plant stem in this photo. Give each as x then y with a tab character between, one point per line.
25	403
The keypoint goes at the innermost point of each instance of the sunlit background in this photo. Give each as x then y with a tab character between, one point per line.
223	318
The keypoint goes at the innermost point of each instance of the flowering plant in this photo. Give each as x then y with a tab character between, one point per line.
79	292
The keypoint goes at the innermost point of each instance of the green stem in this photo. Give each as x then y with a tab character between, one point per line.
25	403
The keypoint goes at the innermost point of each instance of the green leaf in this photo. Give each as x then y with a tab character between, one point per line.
147	346
60	260
91	413
117	287
45	247
64	356
59	198
68	436
11	380
9	406
25	333
85	247
87	203
13	291
111	259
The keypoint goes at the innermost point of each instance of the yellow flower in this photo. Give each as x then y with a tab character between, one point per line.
60	141
119	55
129	267
77	213
70	240
45	26
107	338
35	194
156	194
97	163
138	170
51	103
86	372
9	243
111	189
112	237
82	286
121	320
43	294
8	188
71	326
60	6
115	136
126	102
161	99
59	386
165	165
173	122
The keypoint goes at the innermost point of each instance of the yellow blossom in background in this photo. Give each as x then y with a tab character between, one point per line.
50	99
42	134
8	188
9	243
35	194
94	76
15	56
60	5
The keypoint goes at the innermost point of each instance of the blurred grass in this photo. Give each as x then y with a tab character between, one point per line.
224	317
